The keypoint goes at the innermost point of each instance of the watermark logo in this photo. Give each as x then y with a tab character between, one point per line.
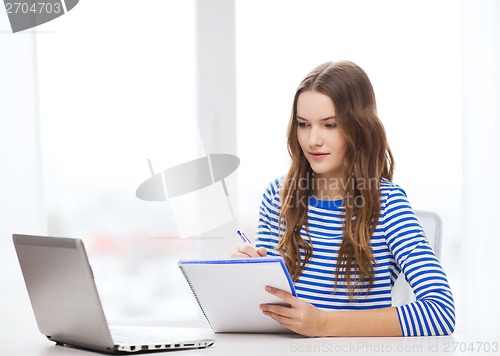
25	14
196	190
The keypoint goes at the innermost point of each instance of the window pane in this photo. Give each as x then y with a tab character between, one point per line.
117	87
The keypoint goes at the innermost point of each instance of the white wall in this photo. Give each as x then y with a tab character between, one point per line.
21	203
481	155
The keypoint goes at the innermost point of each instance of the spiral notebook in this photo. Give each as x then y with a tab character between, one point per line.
230	291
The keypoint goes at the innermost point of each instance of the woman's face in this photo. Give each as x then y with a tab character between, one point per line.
322	142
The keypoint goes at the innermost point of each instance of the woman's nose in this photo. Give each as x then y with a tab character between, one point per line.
315	138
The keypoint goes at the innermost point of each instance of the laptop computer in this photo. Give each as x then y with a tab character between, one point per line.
67	307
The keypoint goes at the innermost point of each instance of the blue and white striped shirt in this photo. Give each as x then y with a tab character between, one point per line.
399	245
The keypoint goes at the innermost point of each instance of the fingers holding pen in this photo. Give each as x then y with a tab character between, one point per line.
246	250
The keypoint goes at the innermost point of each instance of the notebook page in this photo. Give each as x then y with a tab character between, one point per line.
230	292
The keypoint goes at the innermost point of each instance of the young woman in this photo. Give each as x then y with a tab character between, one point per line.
343	228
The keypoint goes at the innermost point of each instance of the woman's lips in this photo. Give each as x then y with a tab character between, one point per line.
318	155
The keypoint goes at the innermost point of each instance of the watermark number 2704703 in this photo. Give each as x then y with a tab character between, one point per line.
27	14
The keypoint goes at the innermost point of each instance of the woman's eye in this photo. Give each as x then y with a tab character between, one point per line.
331	126
301	124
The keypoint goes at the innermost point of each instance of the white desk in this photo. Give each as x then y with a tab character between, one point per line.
285	344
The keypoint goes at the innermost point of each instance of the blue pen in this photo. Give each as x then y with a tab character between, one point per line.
244	237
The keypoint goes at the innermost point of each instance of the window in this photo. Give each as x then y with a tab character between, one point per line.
117	87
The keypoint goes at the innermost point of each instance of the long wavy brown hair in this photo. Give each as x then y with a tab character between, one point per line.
367	160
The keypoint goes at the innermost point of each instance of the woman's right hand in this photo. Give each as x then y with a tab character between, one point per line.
246	251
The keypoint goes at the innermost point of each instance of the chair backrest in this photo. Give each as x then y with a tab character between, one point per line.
433	228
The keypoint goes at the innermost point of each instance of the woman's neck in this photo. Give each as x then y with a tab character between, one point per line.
332	188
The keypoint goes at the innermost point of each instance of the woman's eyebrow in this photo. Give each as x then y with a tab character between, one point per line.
325	119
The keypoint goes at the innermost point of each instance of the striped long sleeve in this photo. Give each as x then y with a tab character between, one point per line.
433	312
399	246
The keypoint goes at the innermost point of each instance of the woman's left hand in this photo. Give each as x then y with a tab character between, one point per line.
300	317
